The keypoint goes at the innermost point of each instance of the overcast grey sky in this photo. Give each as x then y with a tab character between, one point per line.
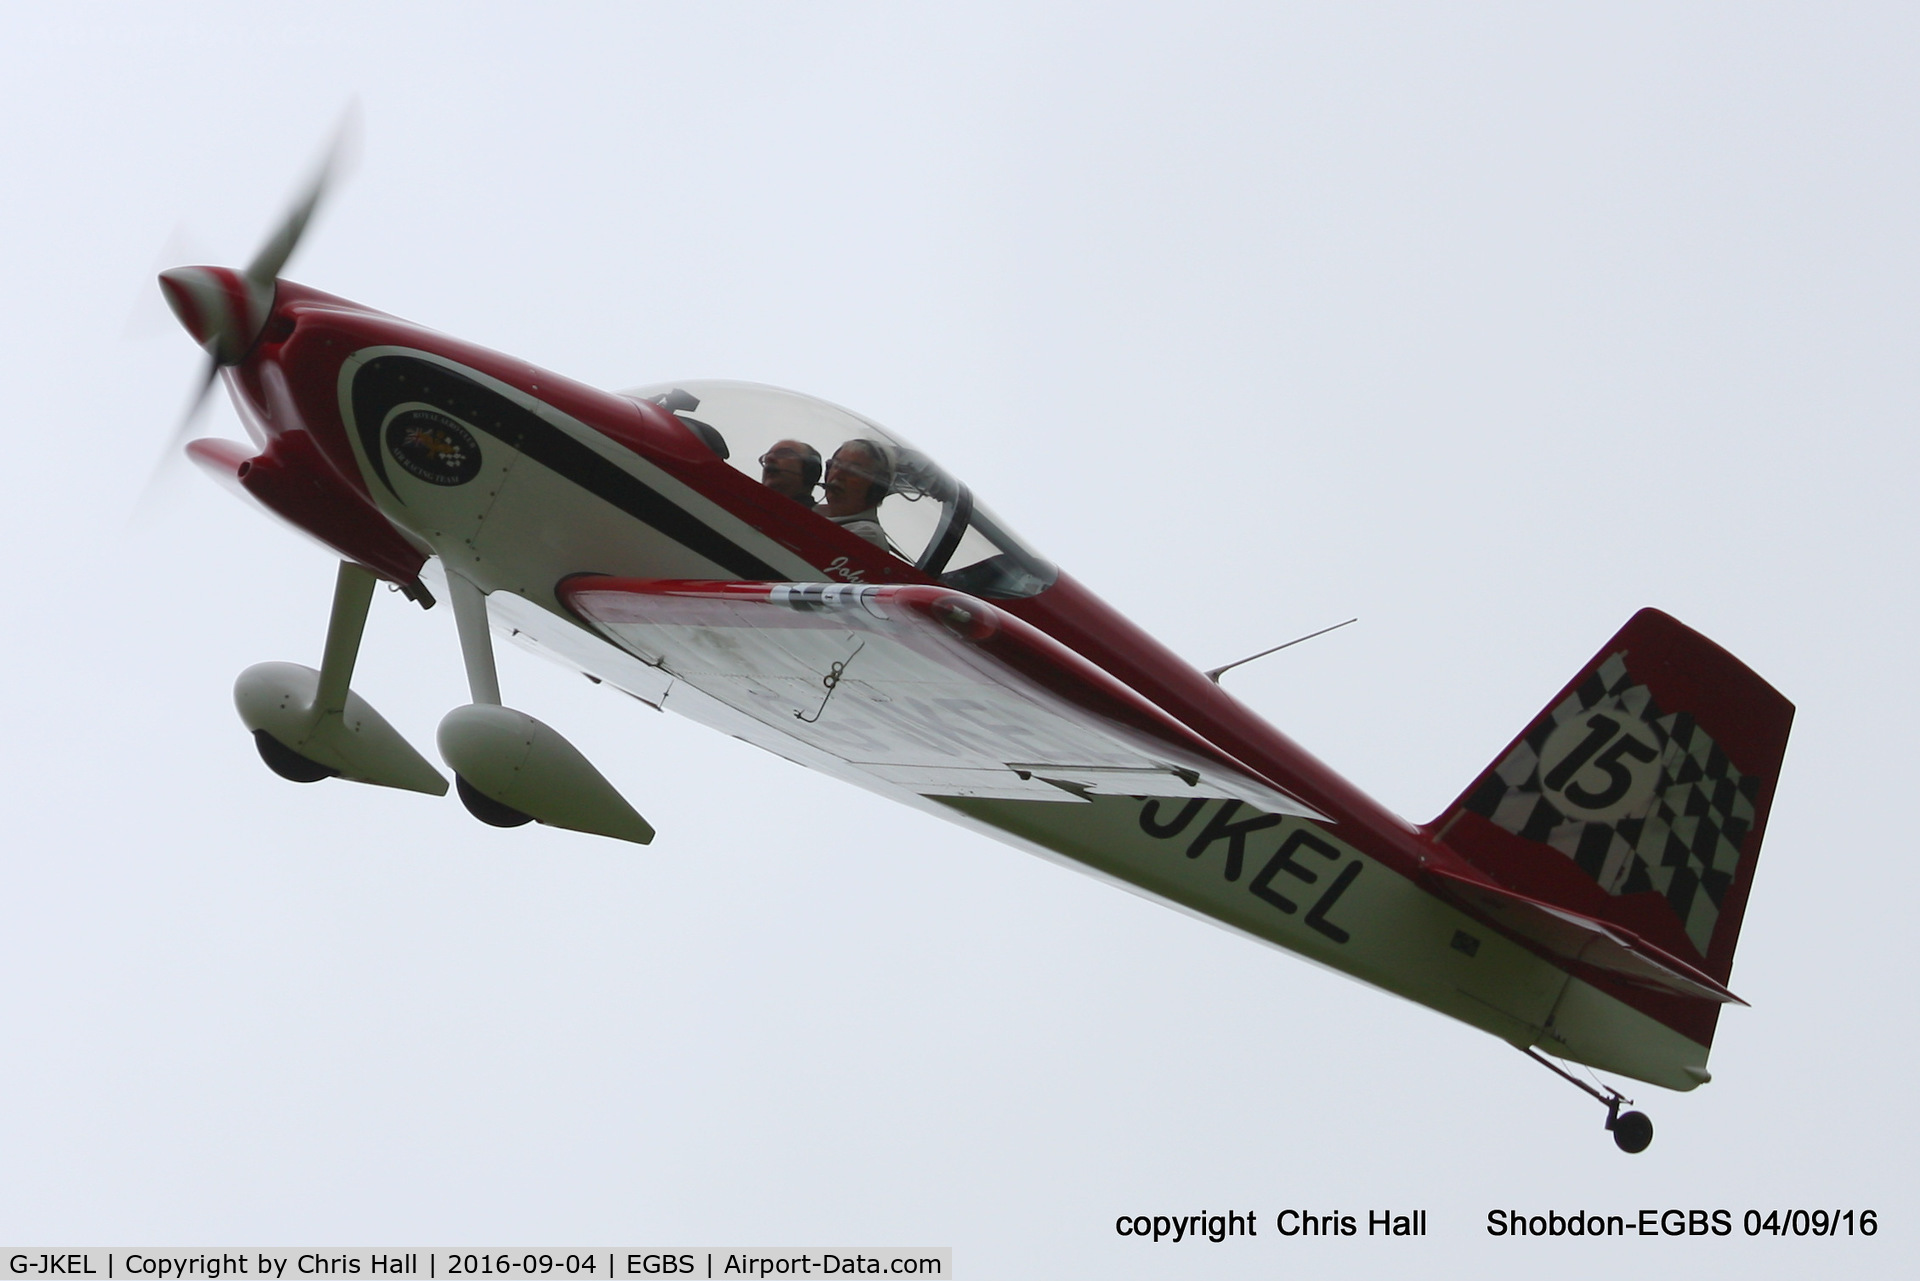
1488	323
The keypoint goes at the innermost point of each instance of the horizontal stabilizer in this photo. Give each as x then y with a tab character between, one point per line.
1583	939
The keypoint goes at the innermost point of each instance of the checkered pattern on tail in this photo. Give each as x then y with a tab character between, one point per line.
1683	841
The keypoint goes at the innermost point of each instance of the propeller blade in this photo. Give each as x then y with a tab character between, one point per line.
273	255
194	406
145	506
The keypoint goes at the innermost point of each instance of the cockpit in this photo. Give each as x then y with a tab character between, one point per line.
848	469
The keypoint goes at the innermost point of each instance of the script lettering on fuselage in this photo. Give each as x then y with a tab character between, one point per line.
838	568
1297	866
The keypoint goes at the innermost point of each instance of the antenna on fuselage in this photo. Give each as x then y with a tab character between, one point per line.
1217	672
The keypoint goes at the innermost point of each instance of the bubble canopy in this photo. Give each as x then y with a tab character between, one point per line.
929	518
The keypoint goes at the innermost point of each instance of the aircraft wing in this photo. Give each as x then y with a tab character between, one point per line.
918	688
1575	936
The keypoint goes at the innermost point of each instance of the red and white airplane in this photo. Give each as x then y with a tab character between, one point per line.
1582	898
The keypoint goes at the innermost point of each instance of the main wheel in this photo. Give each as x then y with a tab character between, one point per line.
1632	1131
287	763
486	809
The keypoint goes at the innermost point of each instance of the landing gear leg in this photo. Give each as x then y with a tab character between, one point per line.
483	681
352	595
476	642
1632	1131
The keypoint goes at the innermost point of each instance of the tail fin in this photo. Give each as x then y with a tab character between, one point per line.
1638	799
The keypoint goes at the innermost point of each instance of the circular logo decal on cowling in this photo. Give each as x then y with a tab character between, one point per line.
433	447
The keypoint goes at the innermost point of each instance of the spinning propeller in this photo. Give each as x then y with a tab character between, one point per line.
224	309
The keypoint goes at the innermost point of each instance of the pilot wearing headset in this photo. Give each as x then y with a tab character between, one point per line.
859	475
792	468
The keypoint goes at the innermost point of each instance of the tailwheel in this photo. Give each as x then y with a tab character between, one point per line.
1632	1131
486	809
287	763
